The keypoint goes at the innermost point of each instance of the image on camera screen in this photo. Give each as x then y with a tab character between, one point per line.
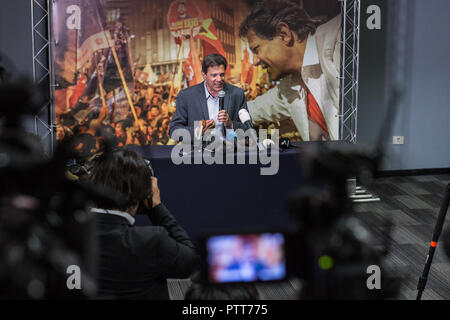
246	258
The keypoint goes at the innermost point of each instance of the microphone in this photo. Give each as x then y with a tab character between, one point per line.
220	126
244	116
221	100
247	122
285	143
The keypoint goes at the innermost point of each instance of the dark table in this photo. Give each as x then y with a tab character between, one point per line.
222	198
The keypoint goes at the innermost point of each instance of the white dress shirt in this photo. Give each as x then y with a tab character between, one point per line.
213	111
213	105
116	213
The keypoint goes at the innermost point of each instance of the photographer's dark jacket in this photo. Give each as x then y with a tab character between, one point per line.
135	261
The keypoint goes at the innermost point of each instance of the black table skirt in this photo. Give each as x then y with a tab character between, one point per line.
223	198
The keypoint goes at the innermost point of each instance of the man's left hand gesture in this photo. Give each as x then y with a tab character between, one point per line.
223	117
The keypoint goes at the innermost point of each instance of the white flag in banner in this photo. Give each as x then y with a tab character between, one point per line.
93	35
151	75
95	42
79	31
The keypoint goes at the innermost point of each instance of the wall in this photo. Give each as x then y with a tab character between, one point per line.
429	92
424	114
15	37
16	43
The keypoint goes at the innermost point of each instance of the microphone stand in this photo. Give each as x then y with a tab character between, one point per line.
436	233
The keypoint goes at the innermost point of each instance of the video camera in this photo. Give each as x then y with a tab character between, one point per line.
329	249
45	225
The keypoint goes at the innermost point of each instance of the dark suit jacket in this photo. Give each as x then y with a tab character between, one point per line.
192	106
135	262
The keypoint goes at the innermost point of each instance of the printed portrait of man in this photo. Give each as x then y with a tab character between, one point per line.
304	60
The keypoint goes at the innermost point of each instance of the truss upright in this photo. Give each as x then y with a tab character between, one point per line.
349	69
42	71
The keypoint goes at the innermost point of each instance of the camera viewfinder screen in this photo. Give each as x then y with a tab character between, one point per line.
246	258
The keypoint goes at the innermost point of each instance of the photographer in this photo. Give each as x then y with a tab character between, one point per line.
135	262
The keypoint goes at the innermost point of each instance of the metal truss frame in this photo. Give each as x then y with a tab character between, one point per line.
44	123
43	73
348	114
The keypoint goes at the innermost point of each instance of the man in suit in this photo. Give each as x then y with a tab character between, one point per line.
201	102
306	62
135	262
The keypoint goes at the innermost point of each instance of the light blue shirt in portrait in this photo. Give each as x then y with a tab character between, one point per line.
213	108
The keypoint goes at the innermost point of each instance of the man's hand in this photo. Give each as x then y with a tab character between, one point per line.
156	197
207	124
223	117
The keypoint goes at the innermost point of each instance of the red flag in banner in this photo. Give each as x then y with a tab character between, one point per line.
252	76
208	33
208	48
192	67
245	66
78	90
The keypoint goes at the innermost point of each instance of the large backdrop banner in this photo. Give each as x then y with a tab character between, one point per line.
119	64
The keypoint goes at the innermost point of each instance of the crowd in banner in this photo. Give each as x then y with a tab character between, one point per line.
96	105
153	110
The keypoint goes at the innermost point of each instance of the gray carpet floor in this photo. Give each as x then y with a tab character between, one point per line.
412	205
